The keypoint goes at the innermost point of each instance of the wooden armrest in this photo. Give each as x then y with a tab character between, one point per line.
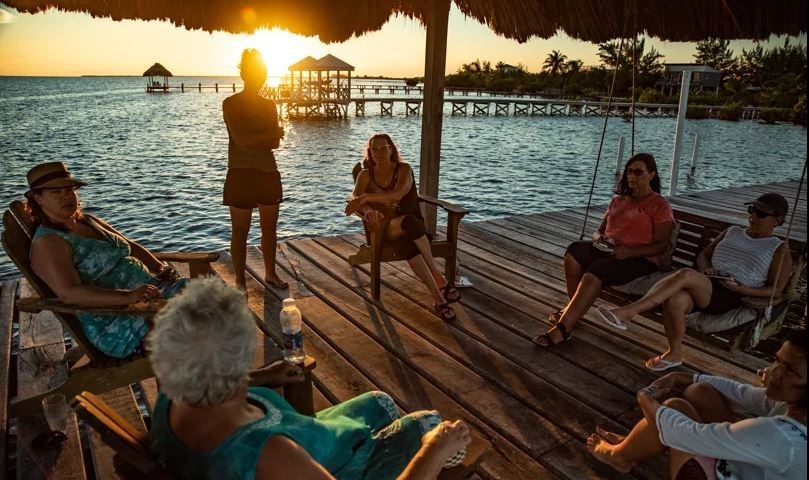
36	305
188	257
449	207
282	372
760	302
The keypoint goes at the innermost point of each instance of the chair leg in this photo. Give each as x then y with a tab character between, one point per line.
449	269
300	394
376	264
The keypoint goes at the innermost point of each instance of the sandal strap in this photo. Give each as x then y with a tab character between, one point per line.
562	328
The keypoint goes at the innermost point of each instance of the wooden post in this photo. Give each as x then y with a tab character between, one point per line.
620	160
678	131
694	155
216	87
234	88
200	87
182	87
432	120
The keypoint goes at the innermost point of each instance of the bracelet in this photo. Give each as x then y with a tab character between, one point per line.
649	391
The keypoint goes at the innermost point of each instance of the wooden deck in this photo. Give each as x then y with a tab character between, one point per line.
536	406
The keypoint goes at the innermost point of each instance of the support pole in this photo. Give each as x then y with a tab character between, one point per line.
619	162
678	131
694	154
431	122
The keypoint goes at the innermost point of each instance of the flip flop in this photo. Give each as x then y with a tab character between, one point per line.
446	312
450	293
610	318
566	336
658	364
555	316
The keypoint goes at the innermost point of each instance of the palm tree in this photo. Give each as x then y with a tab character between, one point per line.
555	62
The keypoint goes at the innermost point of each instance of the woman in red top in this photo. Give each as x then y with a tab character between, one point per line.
636	229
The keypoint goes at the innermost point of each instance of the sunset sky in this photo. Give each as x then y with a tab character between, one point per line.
68	44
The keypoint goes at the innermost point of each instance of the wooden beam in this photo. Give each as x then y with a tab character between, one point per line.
434	65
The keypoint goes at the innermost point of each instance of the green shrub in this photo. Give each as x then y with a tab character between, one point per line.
731	111
772	115
412	82
697	112
798	115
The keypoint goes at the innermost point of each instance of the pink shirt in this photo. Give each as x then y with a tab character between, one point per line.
630	223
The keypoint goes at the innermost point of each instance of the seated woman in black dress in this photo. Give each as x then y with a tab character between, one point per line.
385	196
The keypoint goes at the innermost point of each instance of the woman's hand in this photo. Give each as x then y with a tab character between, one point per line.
710	271
621	252
665	384
447	439
144	293
648	404
167	273
598	237
354	204
731	285
374	218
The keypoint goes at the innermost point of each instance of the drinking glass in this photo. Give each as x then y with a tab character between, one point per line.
56	412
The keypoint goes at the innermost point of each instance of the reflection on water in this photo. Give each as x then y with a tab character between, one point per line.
156	162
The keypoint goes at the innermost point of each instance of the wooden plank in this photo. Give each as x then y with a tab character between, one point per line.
8	292
122	400
42	328
343	343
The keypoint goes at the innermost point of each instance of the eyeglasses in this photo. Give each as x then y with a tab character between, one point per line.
380	148
636	172
751	210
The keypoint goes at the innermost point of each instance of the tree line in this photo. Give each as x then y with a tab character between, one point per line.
774	78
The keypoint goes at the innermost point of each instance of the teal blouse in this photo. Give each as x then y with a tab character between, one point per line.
363	438
107	264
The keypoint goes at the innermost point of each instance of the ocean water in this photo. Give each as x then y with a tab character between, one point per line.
156	163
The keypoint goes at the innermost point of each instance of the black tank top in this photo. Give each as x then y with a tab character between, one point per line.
407	205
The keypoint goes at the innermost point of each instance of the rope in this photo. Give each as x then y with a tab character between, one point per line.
634	70
601	143
768	310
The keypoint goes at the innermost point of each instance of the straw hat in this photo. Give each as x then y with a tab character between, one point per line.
51	175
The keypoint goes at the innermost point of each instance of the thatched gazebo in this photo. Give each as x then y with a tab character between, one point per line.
157	70
317	95
339	20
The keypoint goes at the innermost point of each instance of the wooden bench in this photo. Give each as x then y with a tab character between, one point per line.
375	251
696	233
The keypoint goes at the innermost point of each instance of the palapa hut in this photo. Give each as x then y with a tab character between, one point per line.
339	20
320	95
157	70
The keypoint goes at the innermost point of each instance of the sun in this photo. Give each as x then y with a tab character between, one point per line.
279	48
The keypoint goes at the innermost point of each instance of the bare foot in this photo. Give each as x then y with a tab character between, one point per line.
610	437
622	315
603	452
274	280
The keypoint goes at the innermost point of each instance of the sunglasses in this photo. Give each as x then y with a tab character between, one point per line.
635	172
380	148
751	210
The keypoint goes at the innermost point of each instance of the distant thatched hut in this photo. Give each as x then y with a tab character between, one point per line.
157	70
323	94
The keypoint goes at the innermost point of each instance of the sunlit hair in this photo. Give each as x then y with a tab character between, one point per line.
252	68
623	185
202	345
368	162
38	215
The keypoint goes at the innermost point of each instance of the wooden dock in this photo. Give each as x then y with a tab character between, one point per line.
536	406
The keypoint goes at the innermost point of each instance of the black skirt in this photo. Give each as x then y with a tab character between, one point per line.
249	188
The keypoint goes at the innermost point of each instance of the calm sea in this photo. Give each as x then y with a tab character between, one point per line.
156	162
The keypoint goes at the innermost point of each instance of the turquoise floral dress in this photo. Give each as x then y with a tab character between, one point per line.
107	264
365	438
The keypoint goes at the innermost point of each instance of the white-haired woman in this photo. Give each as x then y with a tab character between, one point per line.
207	423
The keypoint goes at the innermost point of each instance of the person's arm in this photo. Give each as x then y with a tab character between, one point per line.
247	137
283	459
661	238
740	396
356	204
703	262
137	250
756	441
403	184
774	285
52	261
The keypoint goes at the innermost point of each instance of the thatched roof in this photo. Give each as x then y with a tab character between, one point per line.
157	70
330	62
307	63
590	20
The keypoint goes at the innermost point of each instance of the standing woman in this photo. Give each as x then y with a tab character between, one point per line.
253	180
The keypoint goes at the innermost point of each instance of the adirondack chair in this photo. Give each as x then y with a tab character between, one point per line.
375	251
100	372
134	461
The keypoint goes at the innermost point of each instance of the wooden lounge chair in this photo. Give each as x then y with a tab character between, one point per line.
98	372
741	328
133	460
375	251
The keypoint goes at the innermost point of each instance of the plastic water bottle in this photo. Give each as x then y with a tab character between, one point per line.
290	318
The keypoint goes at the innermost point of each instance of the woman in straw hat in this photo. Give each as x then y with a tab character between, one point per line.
87	262
208	424
253	180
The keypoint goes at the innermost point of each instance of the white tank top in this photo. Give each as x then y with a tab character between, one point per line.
745	258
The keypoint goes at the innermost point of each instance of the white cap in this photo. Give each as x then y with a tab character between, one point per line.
289	302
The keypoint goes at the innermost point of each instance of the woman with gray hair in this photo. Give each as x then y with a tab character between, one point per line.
207	422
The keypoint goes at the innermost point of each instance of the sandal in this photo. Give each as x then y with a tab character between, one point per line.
566	336
450	293
446	312
556	316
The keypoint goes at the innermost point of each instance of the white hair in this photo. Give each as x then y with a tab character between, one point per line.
202	345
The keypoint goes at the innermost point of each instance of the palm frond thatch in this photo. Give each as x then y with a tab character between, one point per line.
589	20
157	70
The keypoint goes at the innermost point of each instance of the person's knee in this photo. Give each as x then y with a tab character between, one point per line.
413	227
590	279
699	392
577	249
240	232
682	405
677	303
686	274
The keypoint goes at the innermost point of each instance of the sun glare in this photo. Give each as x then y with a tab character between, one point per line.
279	48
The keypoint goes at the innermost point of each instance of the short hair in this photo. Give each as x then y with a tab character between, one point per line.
797	338
202	345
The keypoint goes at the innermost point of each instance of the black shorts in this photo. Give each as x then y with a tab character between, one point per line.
607	268
722	299
249	188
